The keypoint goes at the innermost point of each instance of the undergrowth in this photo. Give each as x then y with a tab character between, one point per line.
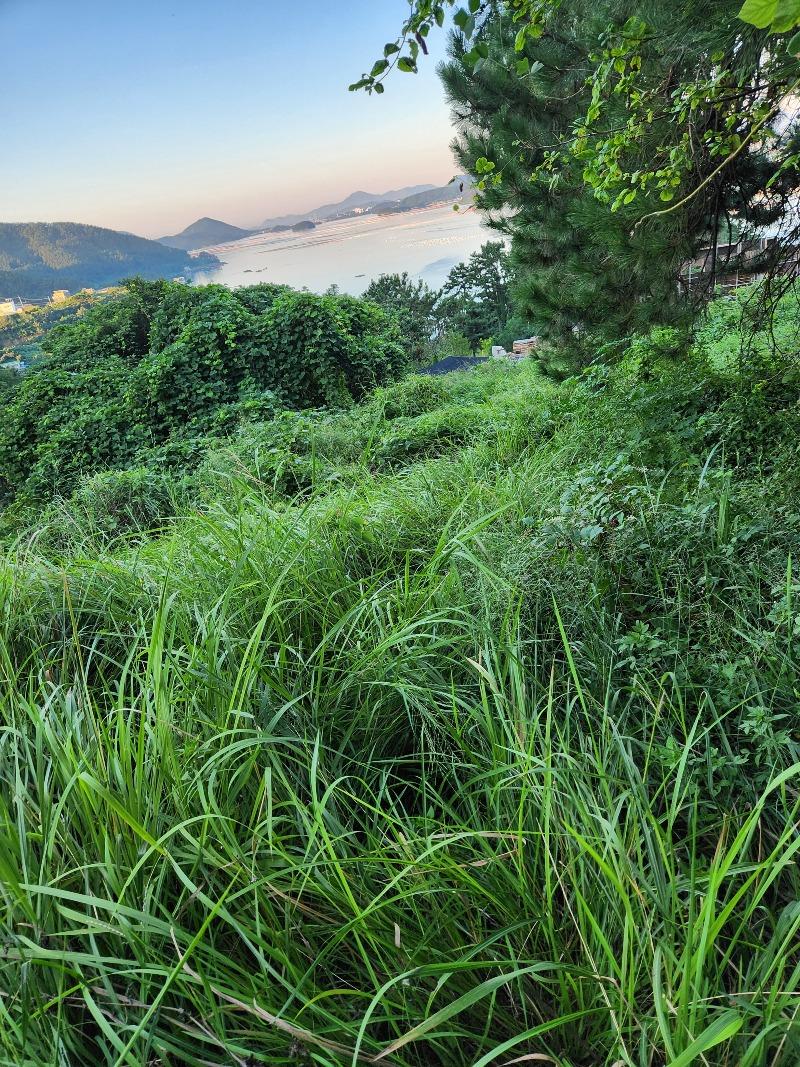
458	727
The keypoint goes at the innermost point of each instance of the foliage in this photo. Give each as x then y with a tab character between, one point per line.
165	363
767	13
456	726
474	307
475	299
27	329
586	273
414	305
674	113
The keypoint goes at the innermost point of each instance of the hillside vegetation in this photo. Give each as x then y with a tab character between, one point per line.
453	726
38	257
150	377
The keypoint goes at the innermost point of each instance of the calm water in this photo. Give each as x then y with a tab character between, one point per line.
351	252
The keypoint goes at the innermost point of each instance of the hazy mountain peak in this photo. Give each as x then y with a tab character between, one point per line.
205	233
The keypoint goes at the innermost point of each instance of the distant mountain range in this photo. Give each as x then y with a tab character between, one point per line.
38	257
458	189
207	233
345	207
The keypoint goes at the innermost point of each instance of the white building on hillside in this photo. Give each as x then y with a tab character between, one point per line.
7	307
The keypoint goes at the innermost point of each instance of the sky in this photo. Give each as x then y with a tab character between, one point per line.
144	115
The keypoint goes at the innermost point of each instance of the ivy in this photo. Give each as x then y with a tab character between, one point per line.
172	363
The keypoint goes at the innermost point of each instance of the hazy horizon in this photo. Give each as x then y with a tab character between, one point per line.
167	113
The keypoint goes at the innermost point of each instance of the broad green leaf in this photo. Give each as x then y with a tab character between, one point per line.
787	16
758	12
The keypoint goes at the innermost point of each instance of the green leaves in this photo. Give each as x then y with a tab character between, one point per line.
464	21
778	15
477	53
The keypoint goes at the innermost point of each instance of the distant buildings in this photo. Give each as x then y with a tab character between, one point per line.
731	265
525	346
7	307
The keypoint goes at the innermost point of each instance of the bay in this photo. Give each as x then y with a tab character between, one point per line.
349	253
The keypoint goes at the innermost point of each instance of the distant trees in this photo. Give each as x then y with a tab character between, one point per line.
475	302
475	299
415	306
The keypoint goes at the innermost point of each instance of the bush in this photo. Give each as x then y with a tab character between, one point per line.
416	395
165	362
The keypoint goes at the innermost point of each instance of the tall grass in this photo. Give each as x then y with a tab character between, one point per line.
394	772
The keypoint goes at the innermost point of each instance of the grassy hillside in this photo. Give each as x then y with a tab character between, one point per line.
37	257
457	727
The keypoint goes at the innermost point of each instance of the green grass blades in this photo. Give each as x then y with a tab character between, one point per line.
471	746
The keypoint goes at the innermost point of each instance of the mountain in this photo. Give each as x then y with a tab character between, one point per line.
358	199
38	257
451	192
204	234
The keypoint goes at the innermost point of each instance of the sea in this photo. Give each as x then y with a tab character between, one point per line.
349	253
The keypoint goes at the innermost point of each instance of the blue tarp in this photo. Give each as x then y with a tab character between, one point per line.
453	363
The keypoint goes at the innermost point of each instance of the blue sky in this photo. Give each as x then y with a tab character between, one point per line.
144	115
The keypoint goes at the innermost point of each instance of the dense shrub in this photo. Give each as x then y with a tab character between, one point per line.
165	362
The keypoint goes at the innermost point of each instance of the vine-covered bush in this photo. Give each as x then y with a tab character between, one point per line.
166	363
325	351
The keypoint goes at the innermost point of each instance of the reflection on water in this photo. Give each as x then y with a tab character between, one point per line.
350	252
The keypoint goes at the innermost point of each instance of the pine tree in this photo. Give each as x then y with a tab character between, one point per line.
587	275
